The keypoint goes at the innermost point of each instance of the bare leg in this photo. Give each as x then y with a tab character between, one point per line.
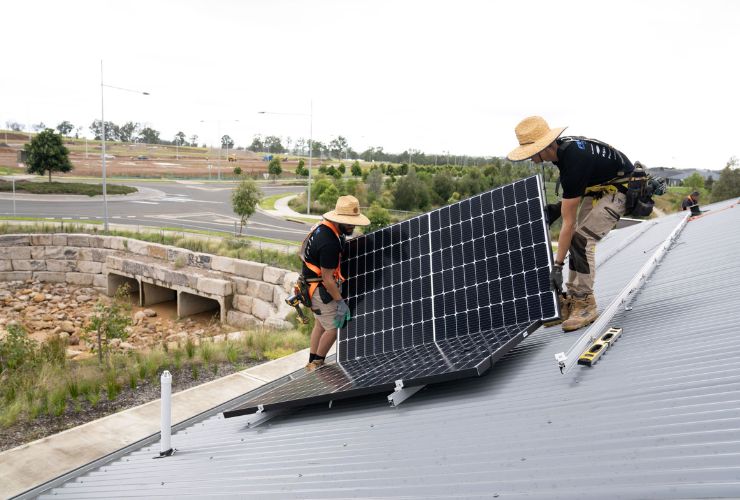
316	336
327	340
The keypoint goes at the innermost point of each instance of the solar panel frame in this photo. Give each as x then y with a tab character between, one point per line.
455	281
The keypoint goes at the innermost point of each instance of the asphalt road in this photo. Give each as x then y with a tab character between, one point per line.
175	204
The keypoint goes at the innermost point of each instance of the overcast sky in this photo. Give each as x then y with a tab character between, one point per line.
656	79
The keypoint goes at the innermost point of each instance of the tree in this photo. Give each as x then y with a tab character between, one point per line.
274	168
237	170
379	218
728	184
257	144
127	132
227	142
341	168
46	152
694	181
14	126
39	127
194	141
329	196
110	321
443	185
149	136
374	184
180	138
356	170
112	131
244	200
65	128
338	146
301	169
273	144
411	193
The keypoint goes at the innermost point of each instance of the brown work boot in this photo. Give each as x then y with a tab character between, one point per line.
565	306
582	312
313	365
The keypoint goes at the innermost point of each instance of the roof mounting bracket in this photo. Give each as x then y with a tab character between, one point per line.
401	393
261	416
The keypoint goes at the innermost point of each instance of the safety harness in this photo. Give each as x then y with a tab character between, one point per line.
636	183
306	287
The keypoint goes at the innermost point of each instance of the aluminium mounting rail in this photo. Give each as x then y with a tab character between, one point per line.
566	361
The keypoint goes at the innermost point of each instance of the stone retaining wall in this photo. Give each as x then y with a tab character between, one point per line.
250	293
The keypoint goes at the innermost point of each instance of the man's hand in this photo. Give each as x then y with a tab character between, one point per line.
343	313
556	278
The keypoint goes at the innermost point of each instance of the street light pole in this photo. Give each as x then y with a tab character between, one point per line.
102	120
310	157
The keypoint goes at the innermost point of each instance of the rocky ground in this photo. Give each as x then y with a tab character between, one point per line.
47	310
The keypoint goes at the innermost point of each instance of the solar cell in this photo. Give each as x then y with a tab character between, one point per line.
435	297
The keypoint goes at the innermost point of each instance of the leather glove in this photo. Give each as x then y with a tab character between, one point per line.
556	278
342	315
552	212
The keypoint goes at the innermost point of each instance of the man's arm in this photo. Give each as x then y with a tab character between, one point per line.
568	210
330	283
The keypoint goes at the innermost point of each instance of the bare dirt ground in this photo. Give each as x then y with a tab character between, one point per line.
161	160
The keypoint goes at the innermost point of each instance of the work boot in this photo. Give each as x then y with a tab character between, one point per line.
565	306
582	312
313	365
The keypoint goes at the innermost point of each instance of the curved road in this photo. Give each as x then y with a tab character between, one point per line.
173	204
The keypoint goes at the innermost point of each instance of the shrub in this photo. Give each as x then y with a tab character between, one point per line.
16	349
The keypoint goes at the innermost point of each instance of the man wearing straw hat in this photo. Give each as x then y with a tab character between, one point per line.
586	168
321	254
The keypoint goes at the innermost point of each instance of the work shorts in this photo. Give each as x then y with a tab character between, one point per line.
324	312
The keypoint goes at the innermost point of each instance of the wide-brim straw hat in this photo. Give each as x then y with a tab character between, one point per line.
534	135
347	211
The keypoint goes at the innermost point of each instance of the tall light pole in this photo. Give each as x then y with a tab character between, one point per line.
310	147
102	121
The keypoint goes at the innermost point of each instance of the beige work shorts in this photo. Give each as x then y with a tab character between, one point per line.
324	313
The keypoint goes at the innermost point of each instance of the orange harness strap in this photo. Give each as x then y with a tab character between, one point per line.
316	269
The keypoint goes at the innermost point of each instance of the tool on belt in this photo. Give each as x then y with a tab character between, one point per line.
304	288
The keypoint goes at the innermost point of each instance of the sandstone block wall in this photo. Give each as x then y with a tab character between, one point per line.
250	293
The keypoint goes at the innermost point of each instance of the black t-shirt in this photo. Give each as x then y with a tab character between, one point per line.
583	163
688	203
322	249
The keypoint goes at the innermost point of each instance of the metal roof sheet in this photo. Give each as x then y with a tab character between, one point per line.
657	417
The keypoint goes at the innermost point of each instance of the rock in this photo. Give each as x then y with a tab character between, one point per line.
115	342
139	317
63	335
56	330
18	307
72	353
126	346
73	340
217	339
149	313
23	297
39	297
83	355
84	298
67	326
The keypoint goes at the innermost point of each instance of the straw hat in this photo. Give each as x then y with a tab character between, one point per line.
534	135
347	211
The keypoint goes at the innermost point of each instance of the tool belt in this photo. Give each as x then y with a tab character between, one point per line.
638	188
304	288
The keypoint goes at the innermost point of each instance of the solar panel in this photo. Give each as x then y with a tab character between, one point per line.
440	296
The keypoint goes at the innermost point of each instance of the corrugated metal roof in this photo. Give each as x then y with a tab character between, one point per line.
657	417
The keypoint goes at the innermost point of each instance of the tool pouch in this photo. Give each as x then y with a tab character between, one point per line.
640	190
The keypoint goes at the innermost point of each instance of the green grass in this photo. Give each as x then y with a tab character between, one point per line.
268	203
65	188
46	383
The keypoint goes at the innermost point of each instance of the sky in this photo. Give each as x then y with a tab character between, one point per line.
656	79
